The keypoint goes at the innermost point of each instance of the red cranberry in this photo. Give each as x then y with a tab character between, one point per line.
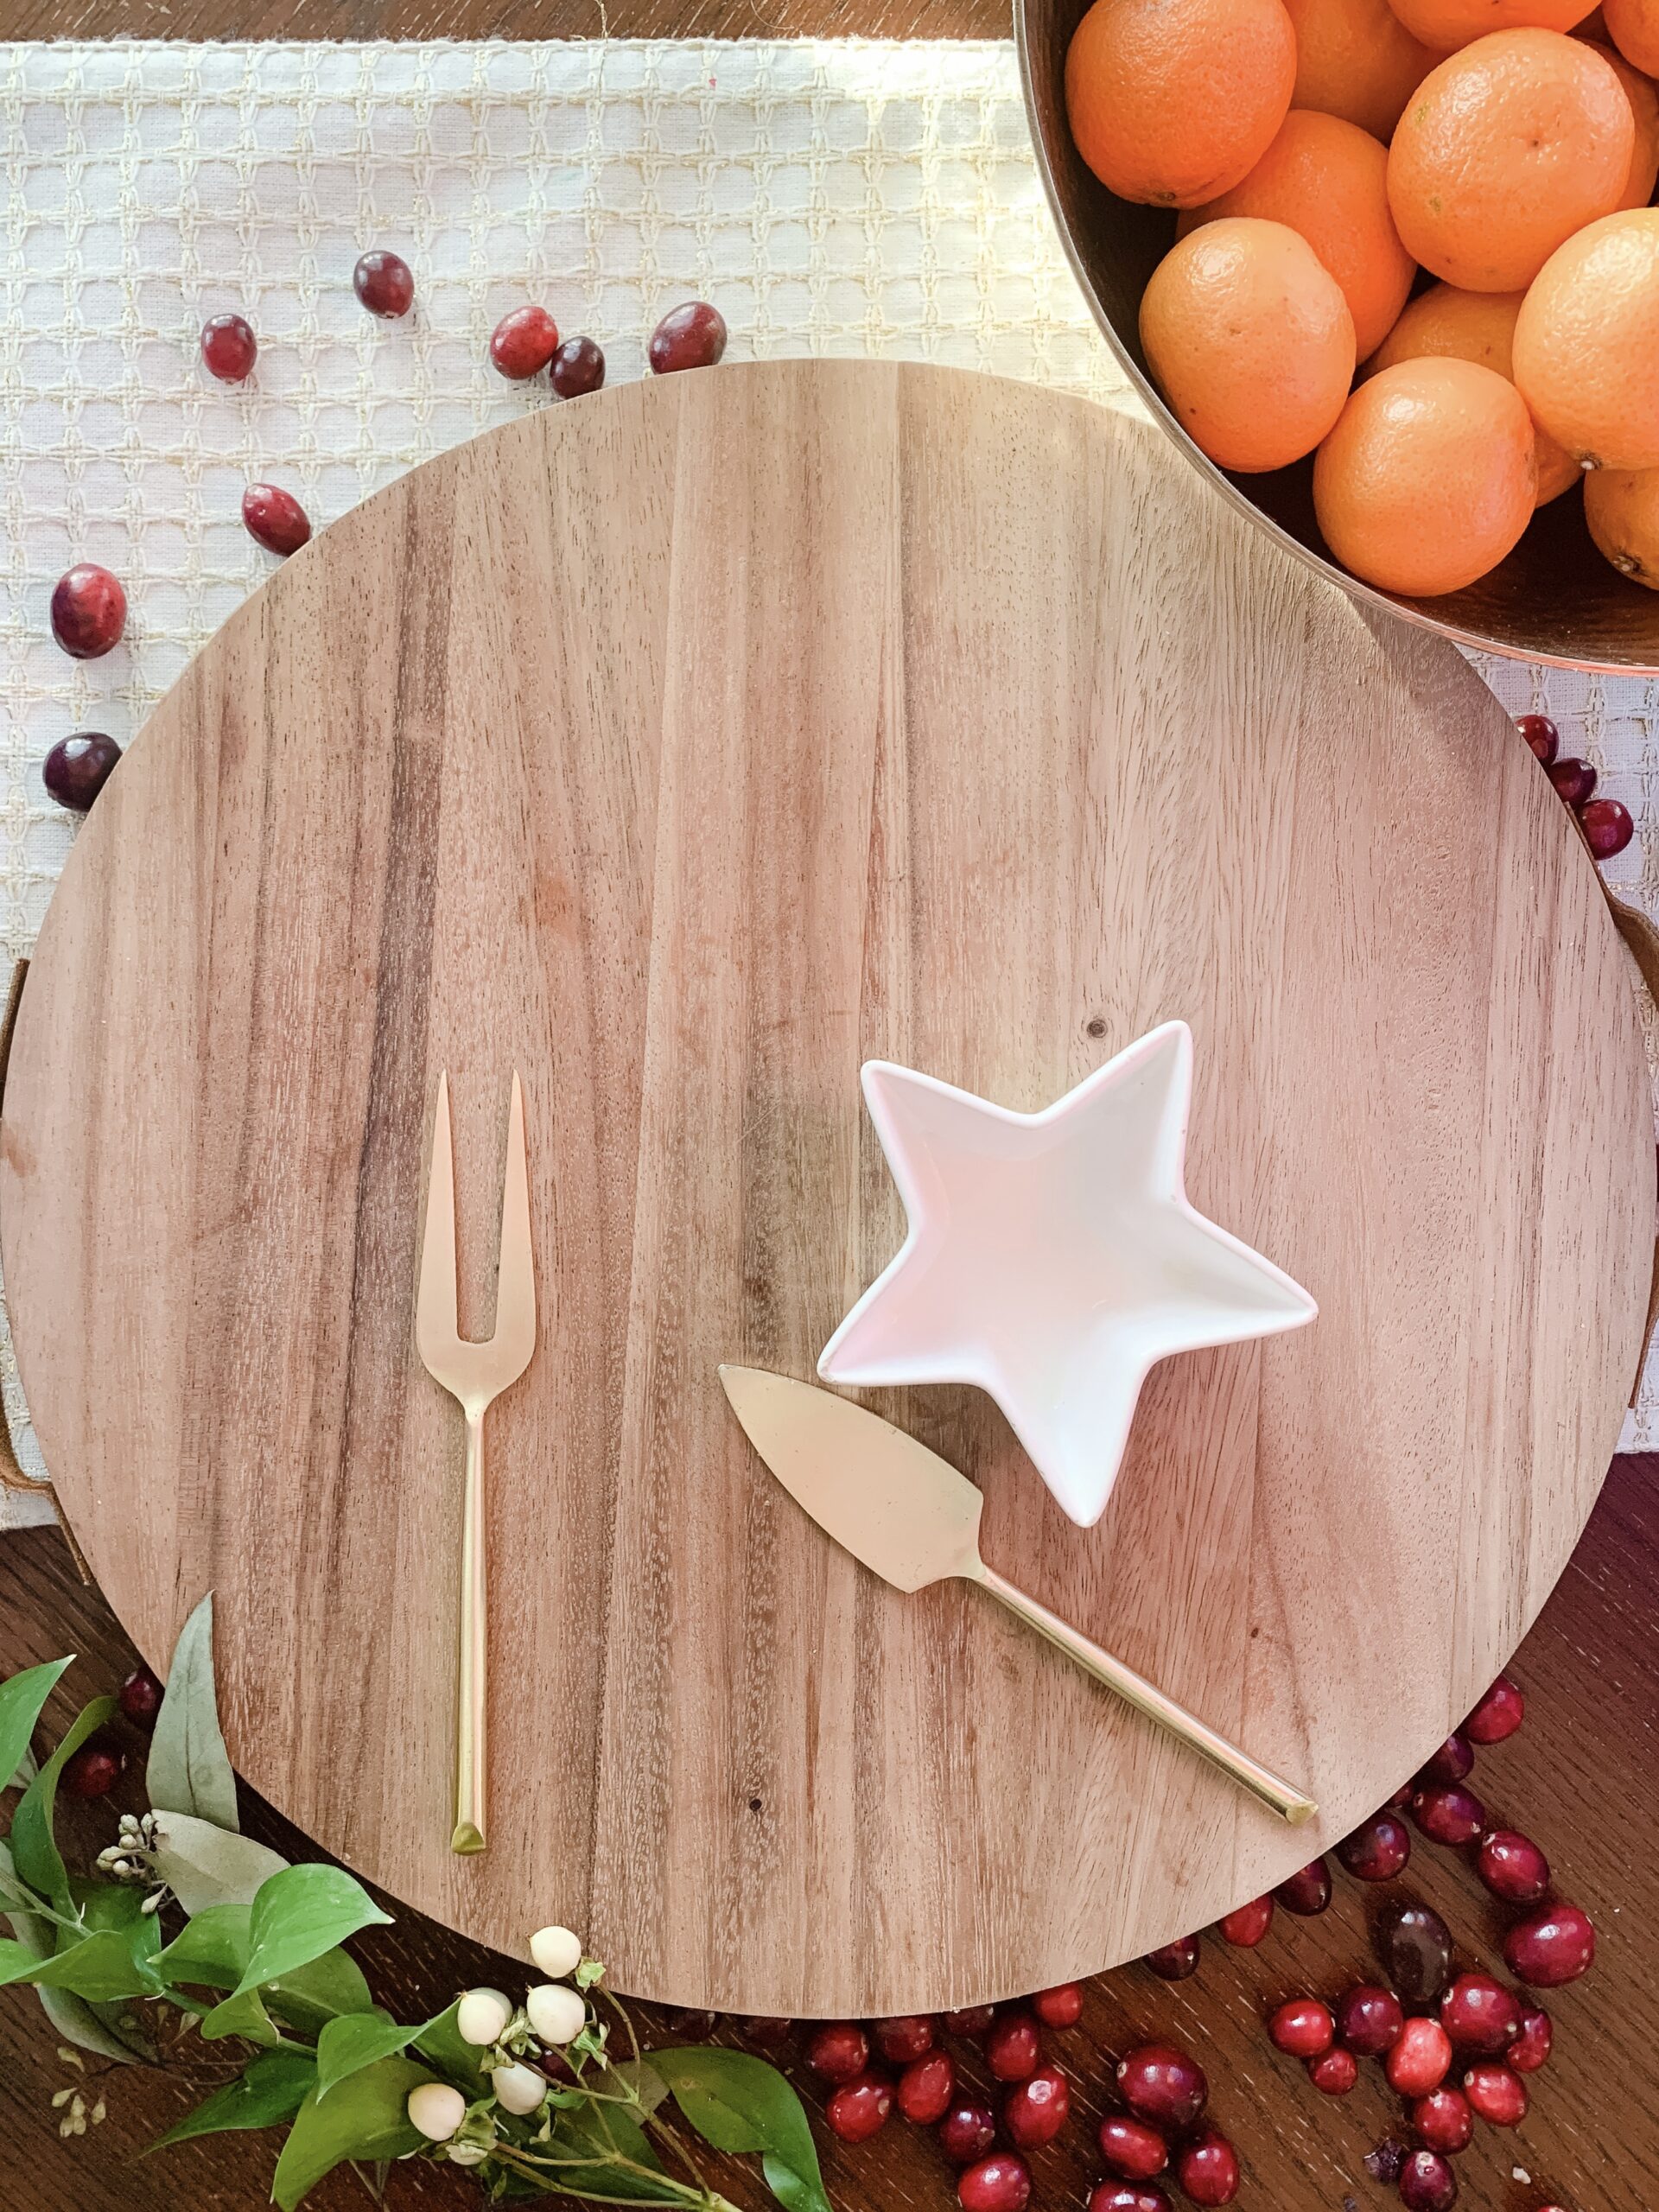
688	337
1532	2046
523	342
384	284
141	1697
972	2022
1553	1945
1448	1813
1308	1891
1446	2120
1451	1762
1378	1849
77	768
999	2183
1414	1944
967	2132
837	2052
1131	2148
1248	1925
229	348
1034	2112
1013	2048
1480	2014
1498	2096
1513	1867
926	2088
860	2107
274	518
1606	825
767	2031
1059	2007
1419	2060
1502	1709
1207	2169
1163	2085
1303	2027
1174	1961
1575	781
1333	2073
1127	2196
577	367
1369	2020
1540	735
93	1770
89	611
1427	2184
907	2036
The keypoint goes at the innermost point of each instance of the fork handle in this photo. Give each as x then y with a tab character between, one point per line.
472	1714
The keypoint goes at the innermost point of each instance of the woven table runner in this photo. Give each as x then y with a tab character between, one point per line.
837	197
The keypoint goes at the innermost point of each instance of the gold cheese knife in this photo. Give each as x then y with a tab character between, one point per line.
912	1518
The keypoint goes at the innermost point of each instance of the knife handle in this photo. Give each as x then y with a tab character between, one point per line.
1290	1803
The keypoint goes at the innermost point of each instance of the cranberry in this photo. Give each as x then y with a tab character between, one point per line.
229	348
274	518
1451	1762
999	2183
860	2107
1426	2182
1606	825
384	283
94	1769
1308	1891
1333	2073
141	1697
972	2022
1447	1813
1513	1867
1480	2014
1575	781
1414	1944
1303	2027
837	2051
89	611
1163	2085
1419	2060
1034	2112
926	2088
1384	2163
1248	1925
1540	735
578	366
688	337
1174	1961
1502	1709
768	2030
1013	2047
1127	2196
77	768
1131	2148
523	342
1552	1946
1446	2120
1369	2020
967	2132
1498	2096
1532	2046
1059	2007
1378	1849
907	2036
1207	2169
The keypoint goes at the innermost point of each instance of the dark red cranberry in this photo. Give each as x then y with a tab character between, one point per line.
1554	1944
1540	735
577	367
1426	2182
1532	2046
384	284
89	611
1575	781
1059	2007
1513	1867
1333	2073
967	2132
926	2088
1308	1891
93	1770
1449	1813
1247	1925
1420	2059
1034	2112
1606	825
1127	2196
907	2036
1012	2047
1303	2027
1378	1849
1384	2163
767	2031
837	2052
1446	2120
141	1697
523	342
274	518
1453	1761
1174	1961
1163	2085
688	337
1480	2014
1502	1709
1369	2020
999	2183
229	348
77	768
1131	2147
860	2107
1207	2169
1414	1944
1498	2096
973	2022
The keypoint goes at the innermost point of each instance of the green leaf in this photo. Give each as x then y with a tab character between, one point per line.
101	1968
325	1989
242	2014
276	2085
212	1951
355	2040
440	2041
74	2019
642	2077
367	2117
607	2134
189	1769
204	1865
301	1913
34	1854
21	1700
737	2102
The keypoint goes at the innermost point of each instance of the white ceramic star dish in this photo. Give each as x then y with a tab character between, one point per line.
1053	1258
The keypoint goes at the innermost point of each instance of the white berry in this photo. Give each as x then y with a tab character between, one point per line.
469	2154
437	2110
555	2013
555	1951
518	2089
481	2016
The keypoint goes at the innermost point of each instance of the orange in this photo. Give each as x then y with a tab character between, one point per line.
1504	151
1173	101
1633	26
1250	341
1447	24
1473	326
1622	508
1355	58
1644	106
1426	481
1587	343
1329	181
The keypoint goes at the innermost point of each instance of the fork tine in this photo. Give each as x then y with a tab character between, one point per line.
437	1332
515	1291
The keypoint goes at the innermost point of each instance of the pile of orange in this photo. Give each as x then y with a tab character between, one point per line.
1415	241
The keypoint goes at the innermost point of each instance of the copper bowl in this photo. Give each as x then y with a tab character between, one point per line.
1555	599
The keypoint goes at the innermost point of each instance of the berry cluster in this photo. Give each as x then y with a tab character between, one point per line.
1605	823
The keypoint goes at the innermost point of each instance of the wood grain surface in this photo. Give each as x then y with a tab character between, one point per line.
684	747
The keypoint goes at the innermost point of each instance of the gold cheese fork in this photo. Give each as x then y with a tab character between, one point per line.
476	1374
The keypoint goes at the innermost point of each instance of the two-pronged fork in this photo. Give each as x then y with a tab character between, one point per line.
476	1374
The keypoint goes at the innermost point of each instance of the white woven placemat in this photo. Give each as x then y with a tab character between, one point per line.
834	197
